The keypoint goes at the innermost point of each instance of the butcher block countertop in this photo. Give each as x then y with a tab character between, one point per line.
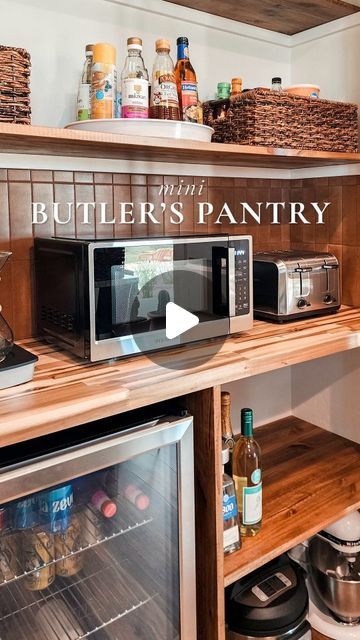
66	392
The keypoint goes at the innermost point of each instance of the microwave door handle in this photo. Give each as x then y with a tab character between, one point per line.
231	280
223	263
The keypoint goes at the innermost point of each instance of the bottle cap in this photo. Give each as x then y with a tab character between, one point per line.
247	422
278	80
225	455
162	44
225	397
134	43
182	40
236	81
108	508
142	501
224	85
89	48
103	52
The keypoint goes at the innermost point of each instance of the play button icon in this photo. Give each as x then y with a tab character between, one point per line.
178	320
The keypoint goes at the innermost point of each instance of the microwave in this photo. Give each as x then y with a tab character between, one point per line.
103	299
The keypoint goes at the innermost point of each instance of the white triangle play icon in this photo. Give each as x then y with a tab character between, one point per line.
178	320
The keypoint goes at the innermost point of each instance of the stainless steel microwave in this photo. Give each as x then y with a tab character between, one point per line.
103	299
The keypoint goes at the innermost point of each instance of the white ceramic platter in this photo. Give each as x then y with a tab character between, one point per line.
149	128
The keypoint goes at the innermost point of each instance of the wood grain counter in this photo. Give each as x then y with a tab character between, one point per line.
66	391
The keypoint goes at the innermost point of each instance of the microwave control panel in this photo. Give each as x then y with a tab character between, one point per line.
242	275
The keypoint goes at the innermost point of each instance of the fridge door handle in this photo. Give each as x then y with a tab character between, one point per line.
77	461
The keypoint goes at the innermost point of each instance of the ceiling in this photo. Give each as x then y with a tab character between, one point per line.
284	16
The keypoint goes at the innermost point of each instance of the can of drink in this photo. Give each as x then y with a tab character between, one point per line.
68	543
3	519
38	549
55	508
26	513
9	565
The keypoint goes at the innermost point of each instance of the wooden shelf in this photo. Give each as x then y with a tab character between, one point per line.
66	391
17	138
282	16
311	478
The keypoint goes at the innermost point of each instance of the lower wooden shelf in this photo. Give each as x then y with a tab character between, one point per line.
311	478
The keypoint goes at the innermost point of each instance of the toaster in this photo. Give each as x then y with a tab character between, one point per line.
293	284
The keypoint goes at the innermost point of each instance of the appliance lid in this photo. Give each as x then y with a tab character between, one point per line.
292	259
270	601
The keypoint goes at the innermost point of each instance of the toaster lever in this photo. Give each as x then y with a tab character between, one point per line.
330	266
303	269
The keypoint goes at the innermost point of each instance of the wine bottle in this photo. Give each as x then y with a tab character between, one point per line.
247	477
226	428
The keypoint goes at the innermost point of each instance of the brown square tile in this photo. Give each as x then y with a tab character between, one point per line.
19	175
84	177
103	178
41	175
138	179
20	208
121	178
63	176
3	175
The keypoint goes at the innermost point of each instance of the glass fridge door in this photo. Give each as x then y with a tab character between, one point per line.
109	554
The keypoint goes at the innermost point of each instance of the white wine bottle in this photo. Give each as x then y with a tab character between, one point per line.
247	477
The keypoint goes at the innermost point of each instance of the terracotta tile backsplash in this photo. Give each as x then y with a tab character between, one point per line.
19	188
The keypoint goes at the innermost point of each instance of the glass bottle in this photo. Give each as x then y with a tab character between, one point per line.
236	87
232	540
83	101
226	428
186	83
6	335
164	97
135	82
222	101
276	84
103	92
247	476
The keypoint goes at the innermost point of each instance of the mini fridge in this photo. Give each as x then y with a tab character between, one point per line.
97	532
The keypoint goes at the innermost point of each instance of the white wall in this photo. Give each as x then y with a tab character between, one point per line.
329	56
327	393
55	33
269	395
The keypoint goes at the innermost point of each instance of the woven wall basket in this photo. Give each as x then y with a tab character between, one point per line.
277	119
14	85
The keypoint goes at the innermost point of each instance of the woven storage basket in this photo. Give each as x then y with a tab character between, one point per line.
277	119
14	85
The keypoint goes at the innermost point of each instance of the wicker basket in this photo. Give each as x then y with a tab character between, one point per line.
14	85
277	119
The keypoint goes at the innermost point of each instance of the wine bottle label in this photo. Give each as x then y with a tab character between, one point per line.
135	98
229	507
252	505
231	536
189	101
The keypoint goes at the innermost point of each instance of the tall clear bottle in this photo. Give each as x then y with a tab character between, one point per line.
226	428
83	101
232	541
164	104
247	475
135	82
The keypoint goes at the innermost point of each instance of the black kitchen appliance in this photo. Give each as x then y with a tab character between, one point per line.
269	603
94	296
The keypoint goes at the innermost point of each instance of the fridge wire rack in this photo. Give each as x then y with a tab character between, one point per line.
100	596
92	534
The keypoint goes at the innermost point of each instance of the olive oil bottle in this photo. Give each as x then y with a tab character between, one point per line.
247	475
